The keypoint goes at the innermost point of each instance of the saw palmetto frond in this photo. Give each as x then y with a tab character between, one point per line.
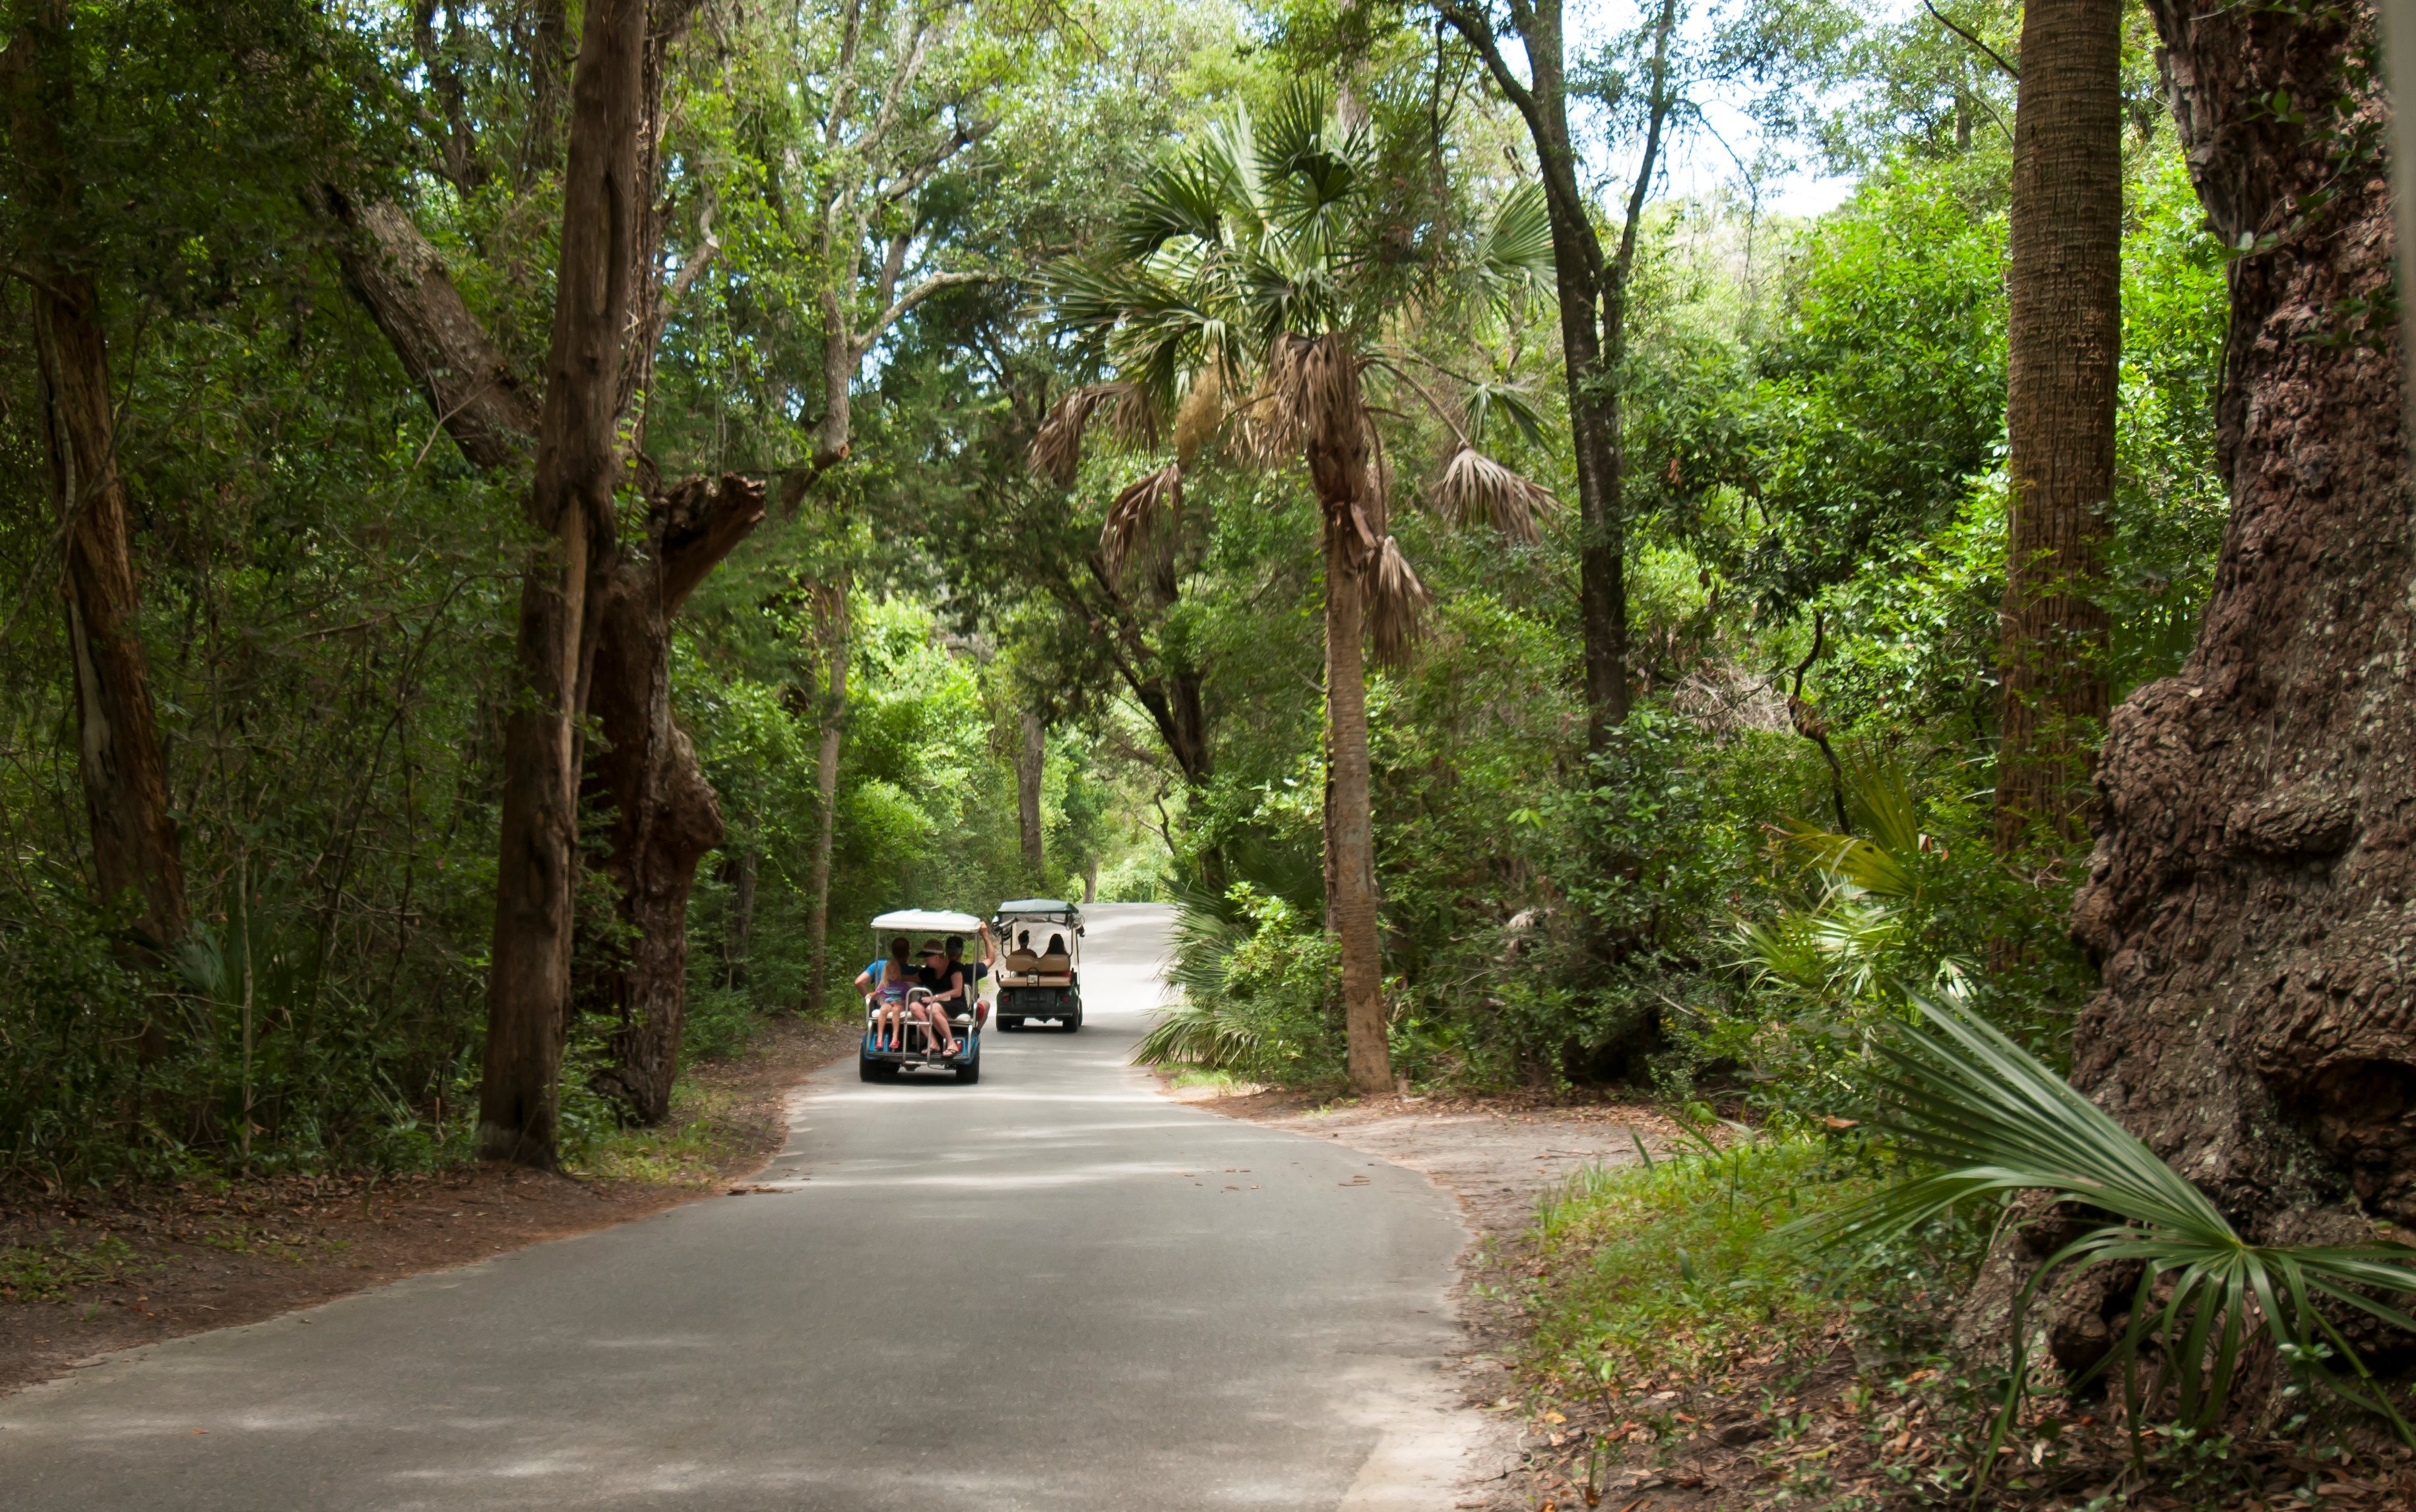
1986	1119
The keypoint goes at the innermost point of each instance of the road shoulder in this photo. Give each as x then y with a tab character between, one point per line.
86	1273
1496	1156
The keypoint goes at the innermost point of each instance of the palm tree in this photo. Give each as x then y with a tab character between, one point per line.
1245	292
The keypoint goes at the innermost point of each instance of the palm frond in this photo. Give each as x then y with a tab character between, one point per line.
1229	149
1879	793
1993	1121
1515	254
1184	196
1397	605
1474	487
1056	451
1486	399
1135	509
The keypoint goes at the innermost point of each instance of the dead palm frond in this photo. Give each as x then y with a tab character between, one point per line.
1397	605
1474	487
1136	509
1057	450
1312	380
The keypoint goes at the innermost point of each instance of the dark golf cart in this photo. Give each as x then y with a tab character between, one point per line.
1039	976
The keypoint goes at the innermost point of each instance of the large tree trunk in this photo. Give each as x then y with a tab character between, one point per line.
2247	897
1030	766
665	816
2063	347
134	843
832	628
528	984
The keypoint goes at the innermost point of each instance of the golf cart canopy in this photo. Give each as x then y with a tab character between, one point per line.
1041	907
926	921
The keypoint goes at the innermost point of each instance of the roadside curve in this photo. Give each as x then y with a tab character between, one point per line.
1051	1290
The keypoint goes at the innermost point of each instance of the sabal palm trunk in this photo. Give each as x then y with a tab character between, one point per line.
1350	864
2063	346
1323	375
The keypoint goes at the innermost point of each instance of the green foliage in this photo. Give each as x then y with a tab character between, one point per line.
1671	1271
1260	982
53	1272
1960	1096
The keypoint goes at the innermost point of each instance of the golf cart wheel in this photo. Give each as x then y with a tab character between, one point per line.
1006	1023
1071	1021
970	1072
869	1069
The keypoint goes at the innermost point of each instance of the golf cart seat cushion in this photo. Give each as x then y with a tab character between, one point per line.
1021	960
1055	965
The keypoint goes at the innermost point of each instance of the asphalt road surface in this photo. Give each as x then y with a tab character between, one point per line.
1053	1290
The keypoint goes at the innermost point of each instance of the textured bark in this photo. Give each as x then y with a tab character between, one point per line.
125	779
2063	347
1350	861
665	816
739	942
528	984
1335	433
1030	763
399	276
2249	897
1593	299
831	628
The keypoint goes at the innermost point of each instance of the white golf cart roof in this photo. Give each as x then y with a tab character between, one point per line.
926	921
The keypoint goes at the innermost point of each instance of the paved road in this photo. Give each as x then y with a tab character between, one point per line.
1053	1290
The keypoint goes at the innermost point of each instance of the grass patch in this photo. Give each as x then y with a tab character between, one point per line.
54	1270
708	1127
1675	1271
1225	1084
1671	1318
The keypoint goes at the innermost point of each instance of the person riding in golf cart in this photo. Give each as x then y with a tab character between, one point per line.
922	1017
1040	975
